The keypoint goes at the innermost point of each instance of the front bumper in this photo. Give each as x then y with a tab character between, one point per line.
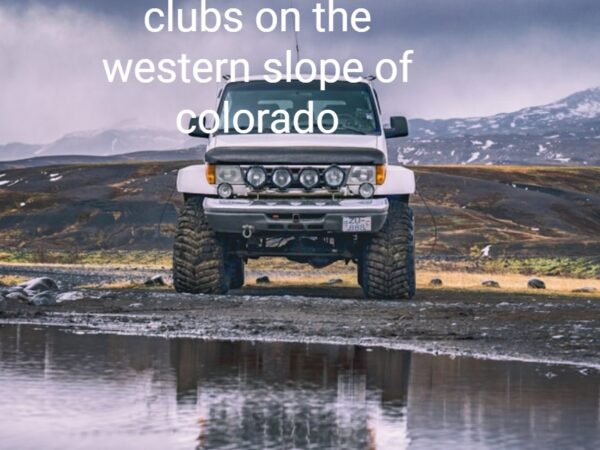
294	216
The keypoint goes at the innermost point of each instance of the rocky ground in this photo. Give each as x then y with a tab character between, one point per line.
536	325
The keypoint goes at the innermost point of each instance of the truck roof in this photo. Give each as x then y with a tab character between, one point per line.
226	78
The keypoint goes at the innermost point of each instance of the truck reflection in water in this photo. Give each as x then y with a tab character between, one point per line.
293	395
107	391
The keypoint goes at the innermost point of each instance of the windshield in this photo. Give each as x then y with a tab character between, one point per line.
353	103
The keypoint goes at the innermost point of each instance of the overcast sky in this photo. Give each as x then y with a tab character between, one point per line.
472	57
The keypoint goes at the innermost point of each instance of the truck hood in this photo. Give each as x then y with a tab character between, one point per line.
337	141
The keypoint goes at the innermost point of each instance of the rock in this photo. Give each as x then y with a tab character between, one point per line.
40	284
334	281
534	283
585	290
16	289
263	280
156	280
18	296
70	296
436	282
46	298
490	284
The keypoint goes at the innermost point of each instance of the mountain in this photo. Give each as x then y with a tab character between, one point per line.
101	143
187	154
563	132
577	114
17	150
566	132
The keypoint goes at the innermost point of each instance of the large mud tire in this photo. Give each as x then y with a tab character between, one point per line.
235	270
198	256
388	263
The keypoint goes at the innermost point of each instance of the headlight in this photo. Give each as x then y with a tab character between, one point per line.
225	190
361	174
334	177
366	190
309	178
256	177
229	174
281	178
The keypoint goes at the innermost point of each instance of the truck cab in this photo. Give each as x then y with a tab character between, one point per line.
316	192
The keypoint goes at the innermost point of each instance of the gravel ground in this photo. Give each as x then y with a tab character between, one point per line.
536	326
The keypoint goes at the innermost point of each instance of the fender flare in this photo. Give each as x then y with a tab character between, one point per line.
192	180
398	181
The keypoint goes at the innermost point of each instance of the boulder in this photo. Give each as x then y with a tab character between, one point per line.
436	282
16	289
45	298
263	280
534	283
490	284
18	296
585	290
40	284
70	296
156	280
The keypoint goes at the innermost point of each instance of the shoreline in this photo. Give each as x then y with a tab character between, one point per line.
528	327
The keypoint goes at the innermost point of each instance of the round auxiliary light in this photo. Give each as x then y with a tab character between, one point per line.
281	178
309	178
256	177
366	190
225	190
334	177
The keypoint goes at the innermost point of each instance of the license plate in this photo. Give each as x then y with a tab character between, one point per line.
356	224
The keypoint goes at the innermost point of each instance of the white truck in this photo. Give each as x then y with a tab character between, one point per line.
313	198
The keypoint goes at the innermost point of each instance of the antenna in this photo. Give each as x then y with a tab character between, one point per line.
296	37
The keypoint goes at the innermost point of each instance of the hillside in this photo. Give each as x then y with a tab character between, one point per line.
520	211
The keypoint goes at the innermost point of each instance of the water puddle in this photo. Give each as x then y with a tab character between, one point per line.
62	390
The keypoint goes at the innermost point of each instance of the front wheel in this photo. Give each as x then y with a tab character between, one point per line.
387	266
198	255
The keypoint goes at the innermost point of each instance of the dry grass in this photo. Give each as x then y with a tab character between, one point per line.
285	264
451	280
12	280
347	279
508	282
118	285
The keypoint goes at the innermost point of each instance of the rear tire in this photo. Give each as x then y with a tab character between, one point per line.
388	263
235	270
198	256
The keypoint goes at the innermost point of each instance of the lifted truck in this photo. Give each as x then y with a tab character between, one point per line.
312	198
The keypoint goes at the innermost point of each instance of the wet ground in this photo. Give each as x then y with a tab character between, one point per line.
61	389
535	326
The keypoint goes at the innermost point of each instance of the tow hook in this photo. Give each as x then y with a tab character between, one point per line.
247	231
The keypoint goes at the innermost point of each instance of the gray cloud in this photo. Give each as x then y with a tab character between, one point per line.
472	57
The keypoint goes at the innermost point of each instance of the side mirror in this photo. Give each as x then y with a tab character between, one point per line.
195	127
399	128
